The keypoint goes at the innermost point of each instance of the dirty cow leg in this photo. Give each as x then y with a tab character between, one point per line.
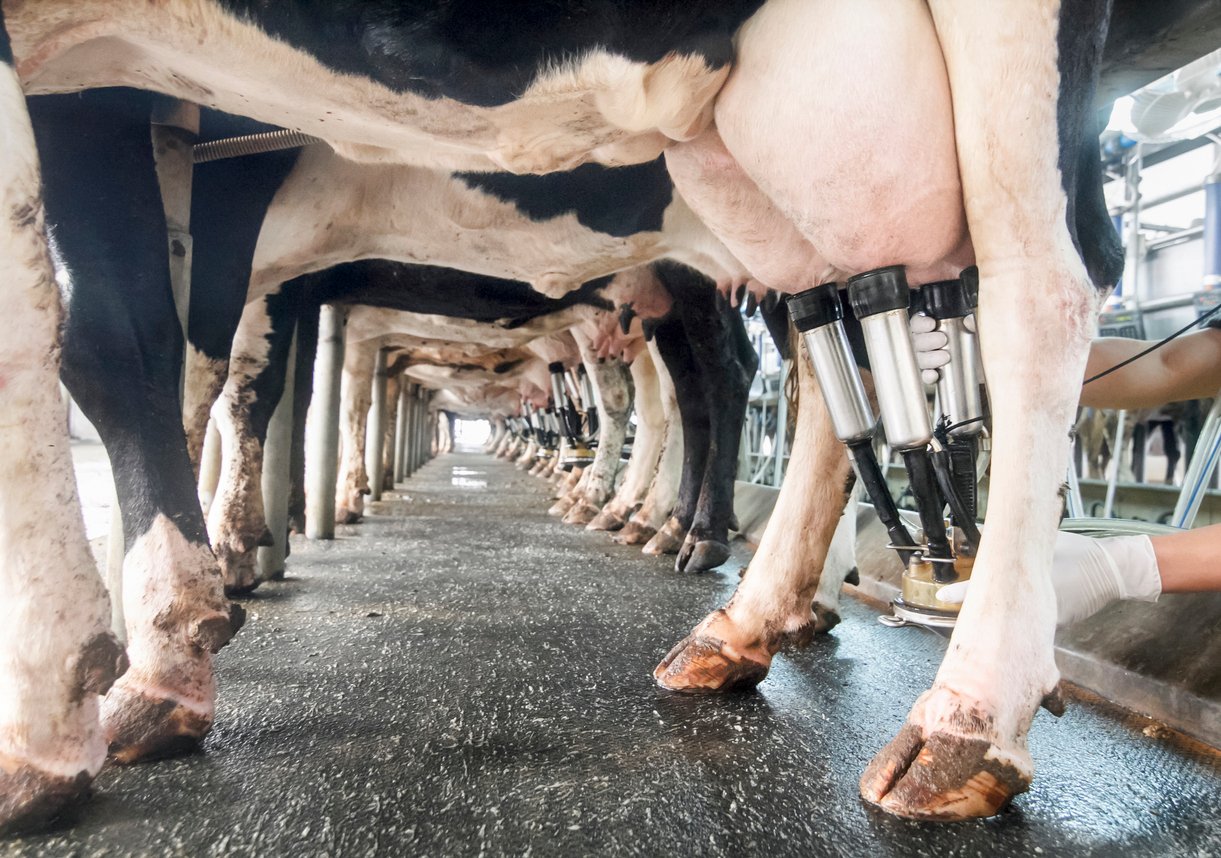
646	448
257	369
355	400
675	350
612	382
772	608
122	361
56	650
963	750
663	490
229	199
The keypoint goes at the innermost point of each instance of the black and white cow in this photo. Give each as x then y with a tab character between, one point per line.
614	84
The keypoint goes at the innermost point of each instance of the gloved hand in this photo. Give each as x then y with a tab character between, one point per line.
1088	574
930	344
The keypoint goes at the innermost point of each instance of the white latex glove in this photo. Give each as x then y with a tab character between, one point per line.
1089	574
930	344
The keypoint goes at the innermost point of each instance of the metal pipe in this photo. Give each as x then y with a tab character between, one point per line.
400	436
1200	469
1212	228
1117	453
1176	238
1132	199
277	474
1075	506
322	426
375	428
782	426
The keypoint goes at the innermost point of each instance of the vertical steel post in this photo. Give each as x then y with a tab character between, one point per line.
322	427
277	474
209	468
782	424
375	428
400	435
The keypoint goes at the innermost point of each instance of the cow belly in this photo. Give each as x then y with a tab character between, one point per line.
840	113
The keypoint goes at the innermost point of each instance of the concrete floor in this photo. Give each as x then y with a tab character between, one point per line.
463	675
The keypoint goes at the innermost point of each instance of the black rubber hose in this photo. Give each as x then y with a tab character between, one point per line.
865	464
963	516
929	504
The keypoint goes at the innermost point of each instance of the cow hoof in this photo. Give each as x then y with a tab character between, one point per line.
561	507
141	724
701	555
634	533
581	513
212	632
344	515
707	662
607	520
943	776
241	577
825	619
31	797
668	540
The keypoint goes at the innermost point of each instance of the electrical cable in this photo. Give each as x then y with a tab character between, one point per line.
1155	346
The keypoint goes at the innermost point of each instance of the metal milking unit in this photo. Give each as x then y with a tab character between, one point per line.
565	393
939	456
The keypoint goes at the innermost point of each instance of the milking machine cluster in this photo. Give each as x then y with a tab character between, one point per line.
939	456
564	432
574	403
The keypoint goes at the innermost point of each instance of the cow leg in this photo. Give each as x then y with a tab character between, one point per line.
786	595
663	490
613	393
963	750
675	350
229	199
1170	443
646	449
56	650
728	363
122	361
355	400
257	369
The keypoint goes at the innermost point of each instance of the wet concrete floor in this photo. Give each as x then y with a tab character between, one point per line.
464	675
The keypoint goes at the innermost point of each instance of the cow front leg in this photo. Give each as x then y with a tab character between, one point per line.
122	361
257	369
56	650
786	594
963	750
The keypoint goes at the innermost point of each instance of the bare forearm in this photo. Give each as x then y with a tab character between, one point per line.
1188	562
1186	368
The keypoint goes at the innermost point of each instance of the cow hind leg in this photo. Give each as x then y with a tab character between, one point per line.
727	362
963	752
680	363
774	606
